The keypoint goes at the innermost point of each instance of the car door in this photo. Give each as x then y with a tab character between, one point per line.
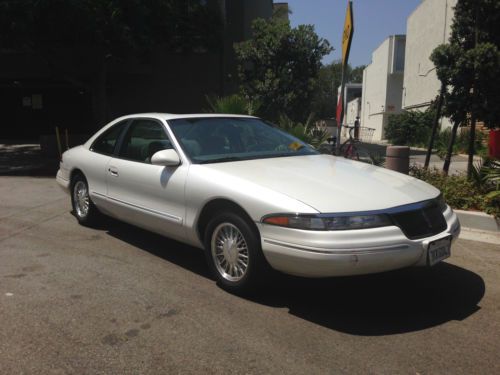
146	195
96	161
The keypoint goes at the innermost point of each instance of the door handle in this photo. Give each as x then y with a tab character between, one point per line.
113	171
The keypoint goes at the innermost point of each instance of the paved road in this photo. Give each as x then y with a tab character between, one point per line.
417	157
118	300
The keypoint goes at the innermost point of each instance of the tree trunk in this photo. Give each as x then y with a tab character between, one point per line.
472	141
435	126
447	160
472	133
99	96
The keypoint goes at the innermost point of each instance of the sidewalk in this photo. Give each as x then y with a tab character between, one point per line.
25	159
417	157
458	162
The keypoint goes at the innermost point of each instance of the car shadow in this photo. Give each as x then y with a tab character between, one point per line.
394	302
401	301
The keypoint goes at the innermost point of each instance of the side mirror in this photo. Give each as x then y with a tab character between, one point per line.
166	158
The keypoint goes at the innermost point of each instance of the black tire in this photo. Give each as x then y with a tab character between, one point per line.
91	215
257	268
343	149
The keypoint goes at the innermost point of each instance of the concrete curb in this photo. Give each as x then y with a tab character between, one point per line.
478	226
478	221
480	236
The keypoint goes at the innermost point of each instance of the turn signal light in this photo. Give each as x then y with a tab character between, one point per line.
277	220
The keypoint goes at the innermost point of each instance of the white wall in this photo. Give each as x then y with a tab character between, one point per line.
353	110
382	90
427	27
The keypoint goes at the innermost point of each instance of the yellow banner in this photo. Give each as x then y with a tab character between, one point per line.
348	32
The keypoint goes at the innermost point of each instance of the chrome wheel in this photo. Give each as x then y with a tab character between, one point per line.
81	199
229	252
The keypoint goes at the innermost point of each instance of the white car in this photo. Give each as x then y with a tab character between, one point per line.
253	196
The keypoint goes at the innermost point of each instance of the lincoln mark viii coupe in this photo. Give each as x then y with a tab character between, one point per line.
255	198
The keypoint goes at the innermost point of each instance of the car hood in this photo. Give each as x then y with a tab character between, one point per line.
328	183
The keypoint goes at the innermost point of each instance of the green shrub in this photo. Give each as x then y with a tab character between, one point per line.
486	176
461	145
410	128
306	132
232	104
461	193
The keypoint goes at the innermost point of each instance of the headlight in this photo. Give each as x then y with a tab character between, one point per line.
328	222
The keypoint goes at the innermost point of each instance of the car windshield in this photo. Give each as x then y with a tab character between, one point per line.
221	139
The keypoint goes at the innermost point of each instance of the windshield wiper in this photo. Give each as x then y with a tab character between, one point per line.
221	160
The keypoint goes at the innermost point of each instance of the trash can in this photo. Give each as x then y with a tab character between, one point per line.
398	158
494	144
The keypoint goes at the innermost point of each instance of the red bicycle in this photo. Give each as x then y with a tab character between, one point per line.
349	148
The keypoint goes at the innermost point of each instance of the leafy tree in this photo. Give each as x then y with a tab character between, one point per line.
410	128
279	66
356	75
80	39
469	66
324	104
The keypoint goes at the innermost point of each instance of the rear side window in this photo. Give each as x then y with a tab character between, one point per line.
143	139
106	143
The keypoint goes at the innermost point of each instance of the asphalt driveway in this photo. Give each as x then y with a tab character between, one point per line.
119	300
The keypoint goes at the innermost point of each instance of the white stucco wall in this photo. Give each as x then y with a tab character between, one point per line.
382	87
353	110
427	27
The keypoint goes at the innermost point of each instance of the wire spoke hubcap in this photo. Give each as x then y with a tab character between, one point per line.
229	252
81	199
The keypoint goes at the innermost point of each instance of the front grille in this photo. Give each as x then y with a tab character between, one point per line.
423	222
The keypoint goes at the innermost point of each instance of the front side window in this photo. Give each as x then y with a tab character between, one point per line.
143	139
211	140
106	142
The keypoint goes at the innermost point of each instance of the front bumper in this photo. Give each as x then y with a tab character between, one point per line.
343	253
63	180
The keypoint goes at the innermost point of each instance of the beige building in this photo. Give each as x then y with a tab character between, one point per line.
383	85
427	27
353	110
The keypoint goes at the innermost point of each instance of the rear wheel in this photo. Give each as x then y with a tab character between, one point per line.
85	211
234	253
349	151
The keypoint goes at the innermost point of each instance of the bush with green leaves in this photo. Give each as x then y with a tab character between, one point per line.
461	144
306	131
486	175
233	104
480	193
410	128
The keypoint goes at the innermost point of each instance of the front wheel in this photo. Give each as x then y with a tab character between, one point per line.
349	151
84	209
234	254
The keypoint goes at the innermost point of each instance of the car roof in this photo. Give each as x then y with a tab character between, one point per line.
172	116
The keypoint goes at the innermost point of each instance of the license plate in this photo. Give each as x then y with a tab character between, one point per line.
438	250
